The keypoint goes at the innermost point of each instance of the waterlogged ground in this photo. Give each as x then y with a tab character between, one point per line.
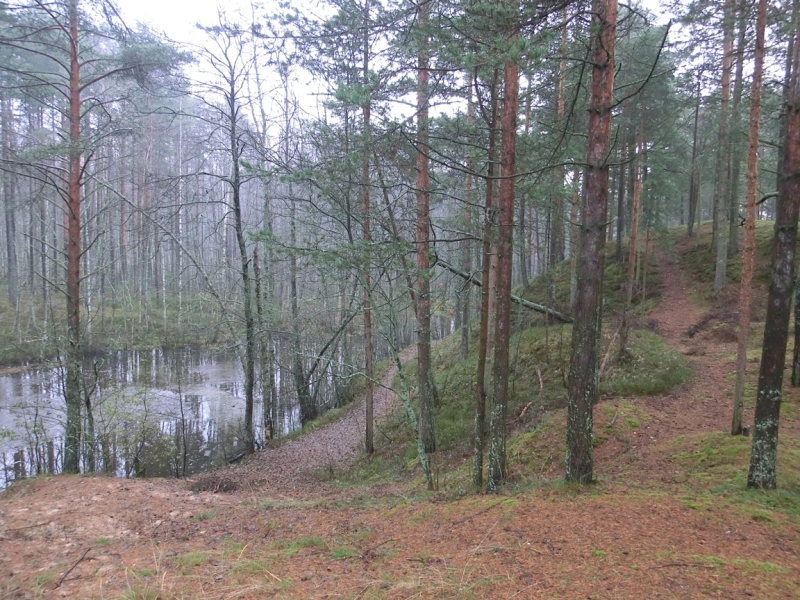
160	405
669	517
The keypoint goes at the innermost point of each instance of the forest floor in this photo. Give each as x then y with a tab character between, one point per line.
669	517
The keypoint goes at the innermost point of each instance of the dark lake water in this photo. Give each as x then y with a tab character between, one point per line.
157	413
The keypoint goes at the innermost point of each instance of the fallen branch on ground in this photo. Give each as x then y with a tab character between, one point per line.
524	410
608	353
614	420
516	299
683	564
480	512
75	564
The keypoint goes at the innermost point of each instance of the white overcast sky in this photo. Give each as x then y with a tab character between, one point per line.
177	18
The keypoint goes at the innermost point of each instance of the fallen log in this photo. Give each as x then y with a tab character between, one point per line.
545	310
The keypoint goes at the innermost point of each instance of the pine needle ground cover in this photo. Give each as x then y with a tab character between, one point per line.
668	517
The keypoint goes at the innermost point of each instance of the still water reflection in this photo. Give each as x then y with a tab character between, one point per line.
156	413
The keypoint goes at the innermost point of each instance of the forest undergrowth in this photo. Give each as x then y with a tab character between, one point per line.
669	515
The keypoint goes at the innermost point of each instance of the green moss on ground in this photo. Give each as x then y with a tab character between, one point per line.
615	276
696	260
539	362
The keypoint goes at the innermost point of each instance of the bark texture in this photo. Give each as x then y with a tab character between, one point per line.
249	361
748	252
425	391
74	378
583	380
763	457
497	425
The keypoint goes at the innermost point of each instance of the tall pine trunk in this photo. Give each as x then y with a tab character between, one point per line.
466	245
723	170
636	168
486	294
748	253
735	146
621	194
764	455
9	192
694	186
74	359
369	441
583	371
787	76
505	261
425	383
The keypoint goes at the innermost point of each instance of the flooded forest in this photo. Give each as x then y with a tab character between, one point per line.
208	245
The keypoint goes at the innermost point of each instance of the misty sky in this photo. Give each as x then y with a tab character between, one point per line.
177	18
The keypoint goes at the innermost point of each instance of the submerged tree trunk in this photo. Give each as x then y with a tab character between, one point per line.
748	253
265	354
583	379
763	458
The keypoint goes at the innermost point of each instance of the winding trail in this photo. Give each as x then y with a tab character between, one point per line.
630	538
704	404
288	469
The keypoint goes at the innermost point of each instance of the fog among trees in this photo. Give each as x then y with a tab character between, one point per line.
319	190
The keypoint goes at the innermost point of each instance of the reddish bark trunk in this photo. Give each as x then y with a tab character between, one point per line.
748	252
424	373
505	229
735	152
72	388
623	145
583	380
